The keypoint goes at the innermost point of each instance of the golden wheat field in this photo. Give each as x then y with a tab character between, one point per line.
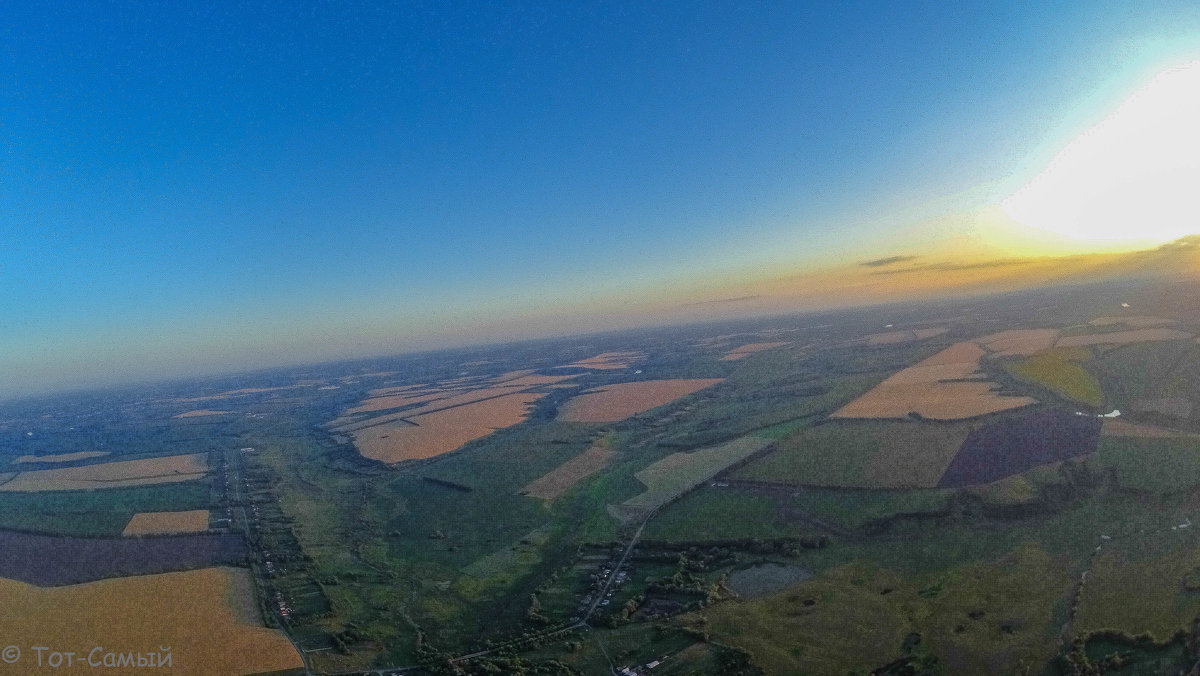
946	386
606	361
206	618
429	434
618	402
746	350
62	457
118	474
1019	342
164	523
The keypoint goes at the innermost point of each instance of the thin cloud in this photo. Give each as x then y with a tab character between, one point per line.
954	267
723	301
890	260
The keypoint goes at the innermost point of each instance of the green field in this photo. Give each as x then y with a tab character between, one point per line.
1157	466
678	473
866	454
1060	371
1140	584
990	617
100	513
723	514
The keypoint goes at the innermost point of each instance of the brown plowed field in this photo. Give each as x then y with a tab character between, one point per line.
618	402
52	560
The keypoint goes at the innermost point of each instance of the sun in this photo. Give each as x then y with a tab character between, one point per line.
1132	178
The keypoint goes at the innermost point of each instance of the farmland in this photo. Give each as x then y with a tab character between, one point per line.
166	523
47	560
1017	444
62	457
117	474
869	454
443	430
618	402
1061	371
945	386
1123	337
97	513
200	413
1019	342
677	473
560	479
607	361
743	351
148	614
396	511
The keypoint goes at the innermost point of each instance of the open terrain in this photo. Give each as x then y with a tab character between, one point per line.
946	386
62	457
560	479
48	560
613	403
201	617
743	351
166	523
117	474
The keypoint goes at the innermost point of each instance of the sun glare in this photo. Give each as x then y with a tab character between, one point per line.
1134	177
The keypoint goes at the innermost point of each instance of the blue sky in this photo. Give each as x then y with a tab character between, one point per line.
199	186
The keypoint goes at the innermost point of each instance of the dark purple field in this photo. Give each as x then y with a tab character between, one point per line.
1014	445
47	560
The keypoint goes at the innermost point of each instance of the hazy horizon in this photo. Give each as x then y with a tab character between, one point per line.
193	191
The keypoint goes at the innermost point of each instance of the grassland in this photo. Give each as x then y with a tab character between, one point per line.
200	615
981	618
1156	466
160	523
856	510
119	474
1138	584
722	514
864	454
1060	371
